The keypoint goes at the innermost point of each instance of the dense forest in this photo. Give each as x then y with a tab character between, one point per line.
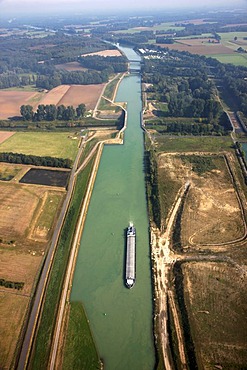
186	82
25	61
110	63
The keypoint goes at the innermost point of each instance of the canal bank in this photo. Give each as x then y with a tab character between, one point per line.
120	319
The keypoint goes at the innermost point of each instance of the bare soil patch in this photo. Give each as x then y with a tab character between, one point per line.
86	94
55	95
11	101
215	299
211	212
105	53
4	135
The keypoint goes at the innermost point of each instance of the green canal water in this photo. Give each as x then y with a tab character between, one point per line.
120	319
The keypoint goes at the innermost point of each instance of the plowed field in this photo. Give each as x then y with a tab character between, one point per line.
86	94
11	101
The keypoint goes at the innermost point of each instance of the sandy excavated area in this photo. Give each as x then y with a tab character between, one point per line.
211	212
105	53
215	296
86	94
4	135
11	101
208	49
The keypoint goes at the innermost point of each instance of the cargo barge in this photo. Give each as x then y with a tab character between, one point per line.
130	271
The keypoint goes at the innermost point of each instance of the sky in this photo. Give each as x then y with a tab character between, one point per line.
45	6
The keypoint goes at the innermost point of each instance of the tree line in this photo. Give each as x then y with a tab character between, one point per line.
11	284
50	112
100	63
35	160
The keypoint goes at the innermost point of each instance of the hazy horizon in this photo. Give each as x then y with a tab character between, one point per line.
87	6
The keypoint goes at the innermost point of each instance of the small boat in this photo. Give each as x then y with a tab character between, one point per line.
130	269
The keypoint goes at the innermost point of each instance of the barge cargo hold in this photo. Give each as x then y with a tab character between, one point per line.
130	272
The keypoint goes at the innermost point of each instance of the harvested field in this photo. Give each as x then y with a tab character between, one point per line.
105	53
4	135
86	94
19	204
71	66
197	41
55	95
11	101
205	49
211	212
16	266
13	309
215	299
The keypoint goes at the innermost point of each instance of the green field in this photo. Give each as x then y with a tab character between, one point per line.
53	144
236	59
191	144
229	36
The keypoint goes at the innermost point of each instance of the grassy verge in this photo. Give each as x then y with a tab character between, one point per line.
50	207
88	147
190	144
110	88
40	355
80	352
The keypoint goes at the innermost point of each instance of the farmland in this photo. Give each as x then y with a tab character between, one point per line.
54	144
11	101
24	239
86	94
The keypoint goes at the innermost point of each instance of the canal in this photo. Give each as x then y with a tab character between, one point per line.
120	318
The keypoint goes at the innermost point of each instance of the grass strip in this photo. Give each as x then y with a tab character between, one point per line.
42	345
80	352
